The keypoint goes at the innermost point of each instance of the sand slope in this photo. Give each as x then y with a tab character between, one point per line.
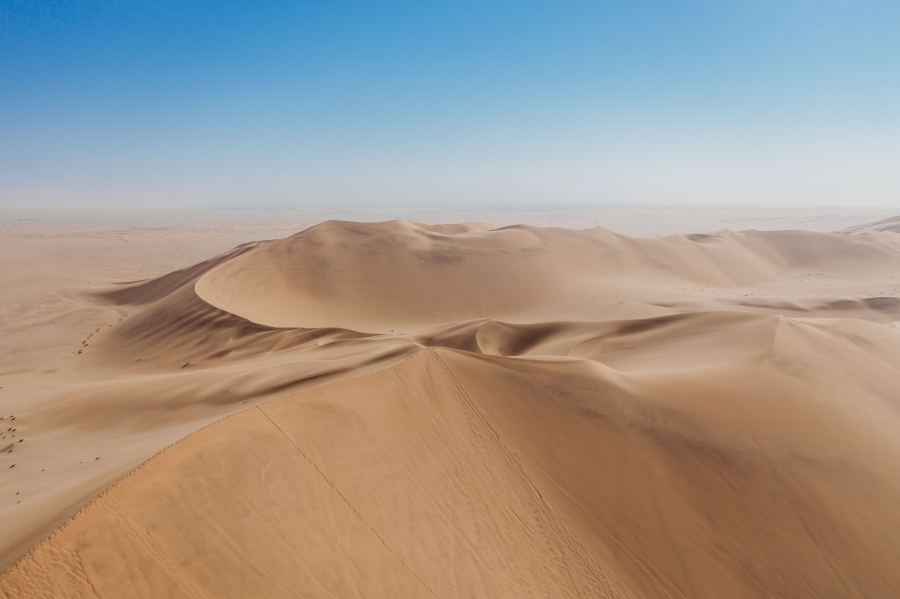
150	364
522	412
457	475
261	503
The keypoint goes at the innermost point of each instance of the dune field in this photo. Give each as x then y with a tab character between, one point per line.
395	409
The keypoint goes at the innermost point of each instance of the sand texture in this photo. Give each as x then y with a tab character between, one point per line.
403	410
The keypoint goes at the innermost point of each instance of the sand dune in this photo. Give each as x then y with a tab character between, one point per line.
888	224
402	276
505	412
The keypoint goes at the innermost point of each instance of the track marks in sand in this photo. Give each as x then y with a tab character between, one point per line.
350	505
548	523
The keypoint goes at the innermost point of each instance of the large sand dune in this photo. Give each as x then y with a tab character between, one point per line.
405	276
463	411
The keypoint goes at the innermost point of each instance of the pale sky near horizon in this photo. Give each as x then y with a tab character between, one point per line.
505	103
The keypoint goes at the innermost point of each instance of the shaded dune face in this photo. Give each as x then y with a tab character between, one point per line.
523	412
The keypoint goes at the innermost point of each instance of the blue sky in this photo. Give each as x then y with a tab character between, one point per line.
638	103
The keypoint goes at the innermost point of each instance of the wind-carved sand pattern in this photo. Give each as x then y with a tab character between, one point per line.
466	411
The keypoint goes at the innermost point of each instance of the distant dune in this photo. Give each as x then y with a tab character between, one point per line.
887	224
402	410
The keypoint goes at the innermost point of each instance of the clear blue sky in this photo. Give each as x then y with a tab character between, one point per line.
606	103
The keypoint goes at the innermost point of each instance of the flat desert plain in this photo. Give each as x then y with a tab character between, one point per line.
395	409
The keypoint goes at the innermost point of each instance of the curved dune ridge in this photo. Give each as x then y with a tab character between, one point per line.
516	412
405	276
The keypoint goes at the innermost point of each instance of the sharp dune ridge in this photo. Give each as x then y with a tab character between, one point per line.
397	409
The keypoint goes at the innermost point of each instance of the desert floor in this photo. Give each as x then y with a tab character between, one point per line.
265	404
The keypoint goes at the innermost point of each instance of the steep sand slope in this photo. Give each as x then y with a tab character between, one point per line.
436	505
694	416
742	476
454	475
